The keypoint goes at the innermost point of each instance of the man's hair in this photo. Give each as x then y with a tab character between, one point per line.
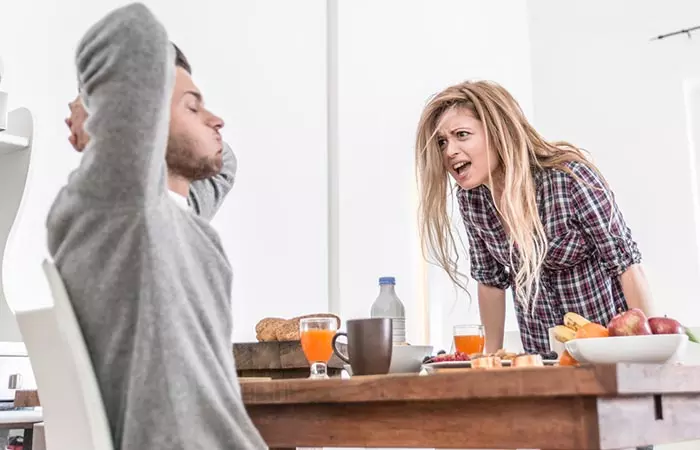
181	60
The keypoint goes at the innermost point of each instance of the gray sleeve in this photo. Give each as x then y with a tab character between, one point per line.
206	196
126	74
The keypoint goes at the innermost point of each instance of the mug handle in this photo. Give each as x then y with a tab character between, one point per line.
335	349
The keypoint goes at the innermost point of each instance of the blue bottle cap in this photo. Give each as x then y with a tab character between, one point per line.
387	280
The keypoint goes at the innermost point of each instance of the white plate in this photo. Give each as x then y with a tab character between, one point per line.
651	349
468	364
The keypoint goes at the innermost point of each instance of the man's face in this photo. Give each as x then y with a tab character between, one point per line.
195	148
194	143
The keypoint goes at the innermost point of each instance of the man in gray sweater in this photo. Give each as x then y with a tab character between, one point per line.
149	281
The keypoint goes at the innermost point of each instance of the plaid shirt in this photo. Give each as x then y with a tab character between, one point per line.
589	246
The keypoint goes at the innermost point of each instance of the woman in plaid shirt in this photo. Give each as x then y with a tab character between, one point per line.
540	217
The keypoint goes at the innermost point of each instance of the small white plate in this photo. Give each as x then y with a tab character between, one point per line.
650	349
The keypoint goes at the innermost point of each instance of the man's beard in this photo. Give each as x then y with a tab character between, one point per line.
181	160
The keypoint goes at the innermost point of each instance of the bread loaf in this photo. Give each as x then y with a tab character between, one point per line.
276	329
265	329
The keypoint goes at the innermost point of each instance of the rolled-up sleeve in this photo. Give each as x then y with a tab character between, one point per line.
601	221
485	269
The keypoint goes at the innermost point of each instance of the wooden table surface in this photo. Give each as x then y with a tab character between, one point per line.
593	407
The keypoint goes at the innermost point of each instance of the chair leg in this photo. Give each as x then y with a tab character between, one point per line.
28	439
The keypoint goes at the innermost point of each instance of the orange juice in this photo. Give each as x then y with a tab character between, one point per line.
317	345
469	344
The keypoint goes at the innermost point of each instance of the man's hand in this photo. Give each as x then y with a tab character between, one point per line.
78	137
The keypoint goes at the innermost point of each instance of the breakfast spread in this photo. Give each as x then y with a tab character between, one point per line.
573	327
501	358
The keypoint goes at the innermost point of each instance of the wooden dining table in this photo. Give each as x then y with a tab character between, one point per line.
590	407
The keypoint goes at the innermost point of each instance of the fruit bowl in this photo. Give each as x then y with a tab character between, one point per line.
646	349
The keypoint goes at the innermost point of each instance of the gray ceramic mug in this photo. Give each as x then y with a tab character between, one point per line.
369	346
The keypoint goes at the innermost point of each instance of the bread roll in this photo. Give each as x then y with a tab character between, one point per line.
528	361
265	329
486	362
276	329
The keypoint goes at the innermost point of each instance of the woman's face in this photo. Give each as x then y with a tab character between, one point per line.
462	143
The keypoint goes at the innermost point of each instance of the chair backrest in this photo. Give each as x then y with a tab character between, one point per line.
74	414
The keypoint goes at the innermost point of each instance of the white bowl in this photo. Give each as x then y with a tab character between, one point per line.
404	358
650	349
408	358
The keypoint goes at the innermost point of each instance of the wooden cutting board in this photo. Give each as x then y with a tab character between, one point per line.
278	359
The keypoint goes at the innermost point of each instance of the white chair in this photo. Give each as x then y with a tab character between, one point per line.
74	415
39	437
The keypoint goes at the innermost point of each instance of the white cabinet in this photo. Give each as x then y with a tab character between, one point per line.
15	156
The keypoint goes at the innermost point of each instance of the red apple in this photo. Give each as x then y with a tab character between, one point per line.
664	325
629	323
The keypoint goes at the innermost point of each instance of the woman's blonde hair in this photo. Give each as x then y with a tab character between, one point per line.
520	150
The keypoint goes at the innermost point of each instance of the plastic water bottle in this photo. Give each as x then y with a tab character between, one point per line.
388	305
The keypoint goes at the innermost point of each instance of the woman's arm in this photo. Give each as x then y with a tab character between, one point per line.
493	278
605	228
636	289
492	310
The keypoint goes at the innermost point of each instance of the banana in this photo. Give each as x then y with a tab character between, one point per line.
574	321
563	334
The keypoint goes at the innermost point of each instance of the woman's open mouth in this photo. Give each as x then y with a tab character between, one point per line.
461	167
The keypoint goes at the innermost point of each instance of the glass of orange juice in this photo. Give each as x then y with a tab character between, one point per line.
469	339
316	336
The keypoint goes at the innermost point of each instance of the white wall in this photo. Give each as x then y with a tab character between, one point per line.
267	76
260	65
263	67
599	82
388	70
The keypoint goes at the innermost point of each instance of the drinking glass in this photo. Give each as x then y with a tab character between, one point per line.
469	339
316	336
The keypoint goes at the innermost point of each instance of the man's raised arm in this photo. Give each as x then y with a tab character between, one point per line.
126	73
